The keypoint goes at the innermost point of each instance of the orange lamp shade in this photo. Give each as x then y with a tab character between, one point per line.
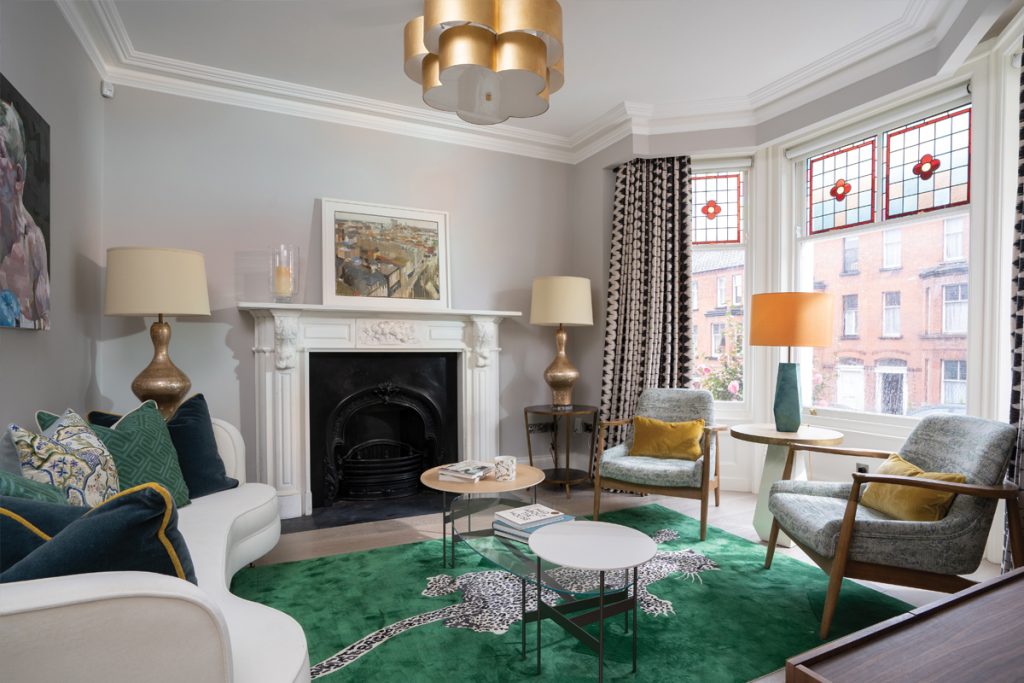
791	319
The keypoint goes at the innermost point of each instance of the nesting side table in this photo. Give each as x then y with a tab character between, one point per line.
563	475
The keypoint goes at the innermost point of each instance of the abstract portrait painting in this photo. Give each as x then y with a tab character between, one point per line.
24	213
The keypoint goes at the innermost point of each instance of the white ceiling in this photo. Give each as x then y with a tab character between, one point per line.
632	66
685	54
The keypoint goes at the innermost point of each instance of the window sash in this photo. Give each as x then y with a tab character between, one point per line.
850	305
721	293
954	309
717	339
954	382
891	314
953	239
737	289
892	246
850	254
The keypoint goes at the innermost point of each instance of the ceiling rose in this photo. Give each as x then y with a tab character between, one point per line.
487	60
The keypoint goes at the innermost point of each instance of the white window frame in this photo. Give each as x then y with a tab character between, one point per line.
892	325
855	241
721	292
892	240
737	289
959	382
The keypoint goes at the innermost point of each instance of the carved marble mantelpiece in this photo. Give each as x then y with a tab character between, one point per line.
286	334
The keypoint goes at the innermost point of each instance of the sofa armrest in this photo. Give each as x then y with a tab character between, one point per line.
231	448
112	626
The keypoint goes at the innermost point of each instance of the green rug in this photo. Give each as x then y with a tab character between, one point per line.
713	614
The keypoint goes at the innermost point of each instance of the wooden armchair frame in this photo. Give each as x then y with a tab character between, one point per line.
707	483
841	566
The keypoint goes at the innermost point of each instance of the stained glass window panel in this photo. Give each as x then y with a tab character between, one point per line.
717	209
928	164
841	187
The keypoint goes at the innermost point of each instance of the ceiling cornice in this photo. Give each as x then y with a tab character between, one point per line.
99	28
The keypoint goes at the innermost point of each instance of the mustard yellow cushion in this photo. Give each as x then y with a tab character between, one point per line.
907	502
659	439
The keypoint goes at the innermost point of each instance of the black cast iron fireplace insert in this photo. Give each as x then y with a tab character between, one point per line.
377	421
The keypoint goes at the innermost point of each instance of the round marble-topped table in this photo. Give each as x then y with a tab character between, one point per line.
779	445
593	546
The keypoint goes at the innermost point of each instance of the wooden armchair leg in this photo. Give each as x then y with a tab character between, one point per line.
718	476
1015	533
835	582
597	498
704	516
773	539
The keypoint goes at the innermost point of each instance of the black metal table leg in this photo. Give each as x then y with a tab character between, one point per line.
600	632
522	621
540	617
634	619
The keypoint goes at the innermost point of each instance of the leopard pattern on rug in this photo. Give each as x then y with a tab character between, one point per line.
492	599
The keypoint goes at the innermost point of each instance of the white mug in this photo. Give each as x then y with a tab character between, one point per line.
504	467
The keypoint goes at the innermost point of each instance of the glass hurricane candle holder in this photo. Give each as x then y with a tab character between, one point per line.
284	273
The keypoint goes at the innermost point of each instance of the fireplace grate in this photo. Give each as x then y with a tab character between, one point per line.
380	468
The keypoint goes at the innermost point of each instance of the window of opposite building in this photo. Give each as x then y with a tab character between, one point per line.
906	184
850	304
954	382
890	314
719	257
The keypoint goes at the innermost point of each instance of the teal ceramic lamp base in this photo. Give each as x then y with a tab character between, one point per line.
787	399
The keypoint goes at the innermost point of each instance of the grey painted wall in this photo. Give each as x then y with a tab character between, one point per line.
43	59
230	181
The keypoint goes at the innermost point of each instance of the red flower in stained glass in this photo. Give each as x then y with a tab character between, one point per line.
840	189
711	209
924	168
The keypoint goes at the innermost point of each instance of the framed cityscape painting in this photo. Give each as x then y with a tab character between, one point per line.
384	257
24	213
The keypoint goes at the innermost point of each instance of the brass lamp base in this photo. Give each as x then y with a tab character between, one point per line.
161	381
561	375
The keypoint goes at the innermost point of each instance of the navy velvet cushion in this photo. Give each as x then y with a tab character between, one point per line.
136	530
19	536
192	434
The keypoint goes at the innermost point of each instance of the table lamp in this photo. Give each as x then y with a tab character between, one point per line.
790	319
153	281
562	301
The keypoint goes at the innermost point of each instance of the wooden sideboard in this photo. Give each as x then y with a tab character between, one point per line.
973	635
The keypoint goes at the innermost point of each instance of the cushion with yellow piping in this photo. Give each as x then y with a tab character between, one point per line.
659	439
19	537
909	503
136	530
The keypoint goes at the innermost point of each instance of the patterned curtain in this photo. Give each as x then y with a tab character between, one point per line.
647	333
1016	473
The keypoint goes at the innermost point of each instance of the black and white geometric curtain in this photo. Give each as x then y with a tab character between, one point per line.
1016	473
647	333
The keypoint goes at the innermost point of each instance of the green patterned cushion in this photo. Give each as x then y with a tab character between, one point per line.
73	459
17	486
142	449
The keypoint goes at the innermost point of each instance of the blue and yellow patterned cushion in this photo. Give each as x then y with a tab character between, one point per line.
136	530
73	459
142	449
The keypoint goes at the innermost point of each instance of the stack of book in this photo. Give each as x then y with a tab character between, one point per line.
467	471
518	523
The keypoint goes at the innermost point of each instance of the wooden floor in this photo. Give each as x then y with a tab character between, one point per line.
734	516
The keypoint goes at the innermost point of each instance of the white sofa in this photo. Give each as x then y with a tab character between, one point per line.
138	626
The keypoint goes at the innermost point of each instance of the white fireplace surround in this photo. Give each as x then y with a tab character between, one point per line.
285	336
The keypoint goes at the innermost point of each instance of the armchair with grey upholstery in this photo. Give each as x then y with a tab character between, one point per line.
847	539
616	469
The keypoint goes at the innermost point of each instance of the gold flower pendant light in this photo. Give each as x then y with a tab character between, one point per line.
487	60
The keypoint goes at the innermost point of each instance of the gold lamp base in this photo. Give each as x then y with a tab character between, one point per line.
561	375
161	381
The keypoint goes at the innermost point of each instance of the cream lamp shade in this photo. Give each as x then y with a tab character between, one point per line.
791	319
561	300
151	281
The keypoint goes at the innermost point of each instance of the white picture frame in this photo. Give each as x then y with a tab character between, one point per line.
384	257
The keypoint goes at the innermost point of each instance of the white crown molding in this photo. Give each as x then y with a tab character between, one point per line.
99	28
